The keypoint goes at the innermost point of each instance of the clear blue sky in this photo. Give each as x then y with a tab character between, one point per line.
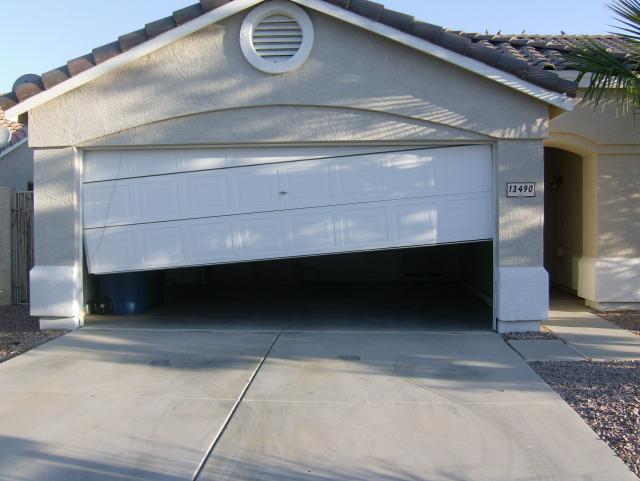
44	34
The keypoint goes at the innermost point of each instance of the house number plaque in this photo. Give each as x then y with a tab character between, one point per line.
521	189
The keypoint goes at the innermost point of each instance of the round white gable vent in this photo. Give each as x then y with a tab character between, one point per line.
277	37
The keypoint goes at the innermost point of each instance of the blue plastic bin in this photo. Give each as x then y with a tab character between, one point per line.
131	293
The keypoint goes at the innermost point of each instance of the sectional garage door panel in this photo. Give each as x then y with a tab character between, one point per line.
342	203
287	185
269	235
122	164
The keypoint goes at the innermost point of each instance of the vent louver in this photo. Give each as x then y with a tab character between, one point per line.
277	38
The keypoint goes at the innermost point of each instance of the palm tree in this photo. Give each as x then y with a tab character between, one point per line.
613	77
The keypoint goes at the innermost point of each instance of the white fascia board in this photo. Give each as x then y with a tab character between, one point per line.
462	61
124	58
15	146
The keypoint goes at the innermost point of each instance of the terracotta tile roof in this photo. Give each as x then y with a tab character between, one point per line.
531	57
18	131
547	51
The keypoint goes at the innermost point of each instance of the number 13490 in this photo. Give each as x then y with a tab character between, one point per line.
521	189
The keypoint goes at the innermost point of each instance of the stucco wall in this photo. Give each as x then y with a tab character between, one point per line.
356	87
520	224
619	205
609	269
285	124
55	217
5	246
348	68
522	292
16	168
16	172
602	125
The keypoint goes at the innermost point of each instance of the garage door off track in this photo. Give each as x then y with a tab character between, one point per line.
160	209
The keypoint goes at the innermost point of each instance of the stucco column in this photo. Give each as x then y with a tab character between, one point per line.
609	270
55	277
5	247
522	283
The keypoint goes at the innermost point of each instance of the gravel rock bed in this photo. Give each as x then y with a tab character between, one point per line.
607	396
629	320
544	335
13	344
17	319
19	332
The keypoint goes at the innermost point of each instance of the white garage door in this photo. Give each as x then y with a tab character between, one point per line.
155	209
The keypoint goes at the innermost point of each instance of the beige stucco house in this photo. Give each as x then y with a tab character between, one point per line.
240	131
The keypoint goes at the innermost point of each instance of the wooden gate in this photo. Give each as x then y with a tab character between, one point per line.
22	246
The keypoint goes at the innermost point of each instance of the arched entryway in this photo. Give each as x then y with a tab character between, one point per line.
564	214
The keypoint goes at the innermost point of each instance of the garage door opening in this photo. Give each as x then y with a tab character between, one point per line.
446	287
279	228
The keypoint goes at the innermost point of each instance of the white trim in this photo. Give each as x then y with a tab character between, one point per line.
78	161
65	323
496	236
257	15
52	291
229	9
124	58
518	326
467	63
15	146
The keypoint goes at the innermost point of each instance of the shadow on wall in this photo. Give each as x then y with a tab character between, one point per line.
619	205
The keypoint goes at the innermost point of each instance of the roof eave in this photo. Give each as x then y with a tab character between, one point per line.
13	147
124	58
550	97
557	99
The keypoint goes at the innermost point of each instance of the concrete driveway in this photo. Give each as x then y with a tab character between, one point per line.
132	403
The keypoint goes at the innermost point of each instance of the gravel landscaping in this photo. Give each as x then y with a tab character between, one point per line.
607	396
544	335
19	332
629	320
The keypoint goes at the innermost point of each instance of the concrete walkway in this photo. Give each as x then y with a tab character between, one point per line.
135	404
589	334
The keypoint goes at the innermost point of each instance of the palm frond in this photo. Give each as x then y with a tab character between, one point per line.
628	13
612	77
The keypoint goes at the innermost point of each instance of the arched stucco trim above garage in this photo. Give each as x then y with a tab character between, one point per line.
348	68
277	124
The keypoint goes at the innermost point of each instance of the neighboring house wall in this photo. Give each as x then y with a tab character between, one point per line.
16	167
5	247
608	269
16	173
355	87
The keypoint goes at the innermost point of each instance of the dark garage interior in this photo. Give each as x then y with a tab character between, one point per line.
435	287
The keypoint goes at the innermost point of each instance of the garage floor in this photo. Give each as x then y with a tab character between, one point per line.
333	400
393	306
